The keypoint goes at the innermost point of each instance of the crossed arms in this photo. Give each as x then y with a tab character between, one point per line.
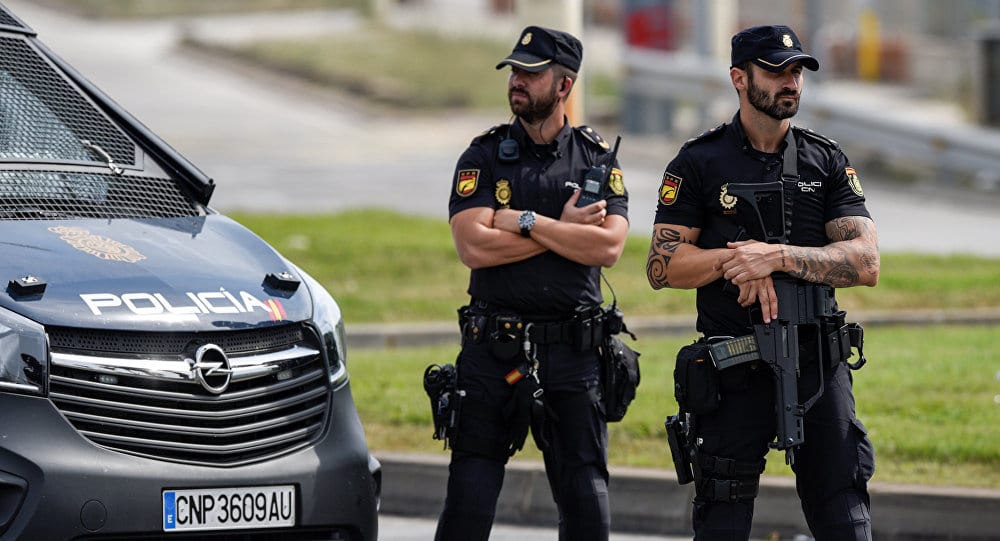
485	237
851	258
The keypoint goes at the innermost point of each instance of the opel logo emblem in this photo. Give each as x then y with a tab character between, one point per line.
211	368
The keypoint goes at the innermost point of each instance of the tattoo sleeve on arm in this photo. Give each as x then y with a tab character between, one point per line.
850	228
665	243
852	251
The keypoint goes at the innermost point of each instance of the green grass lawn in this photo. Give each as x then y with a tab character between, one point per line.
378	275
927	395
401	68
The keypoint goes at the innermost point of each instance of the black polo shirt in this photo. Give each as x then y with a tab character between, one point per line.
692	194
542	179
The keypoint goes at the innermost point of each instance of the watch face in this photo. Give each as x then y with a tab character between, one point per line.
526	220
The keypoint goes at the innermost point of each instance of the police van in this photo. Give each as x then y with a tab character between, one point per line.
164	373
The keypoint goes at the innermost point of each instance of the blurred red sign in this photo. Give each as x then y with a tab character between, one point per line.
650	27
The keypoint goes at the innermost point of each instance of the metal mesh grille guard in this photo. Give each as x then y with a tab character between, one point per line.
9	20
136	393
60	195
43	118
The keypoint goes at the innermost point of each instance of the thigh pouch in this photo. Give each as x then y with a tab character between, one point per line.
726	480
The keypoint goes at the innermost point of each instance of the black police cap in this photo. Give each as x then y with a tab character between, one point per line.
770	47
539	47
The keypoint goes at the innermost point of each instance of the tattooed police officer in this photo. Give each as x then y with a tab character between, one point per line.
705	238
535	260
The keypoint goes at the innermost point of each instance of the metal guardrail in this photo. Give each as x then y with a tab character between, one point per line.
911	139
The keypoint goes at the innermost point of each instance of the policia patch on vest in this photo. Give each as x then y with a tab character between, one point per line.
670	188
468	180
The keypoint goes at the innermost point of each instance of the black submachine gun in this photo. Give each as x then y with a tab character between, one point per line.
807	317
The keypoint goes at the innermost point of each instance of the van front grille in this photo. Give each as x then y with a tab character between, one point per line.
143	394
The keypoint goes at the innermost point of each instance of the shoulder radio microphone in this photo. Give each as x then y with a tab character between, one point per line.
596	179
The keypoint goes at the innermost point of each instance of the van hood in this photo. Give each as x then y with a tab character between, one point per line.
191	274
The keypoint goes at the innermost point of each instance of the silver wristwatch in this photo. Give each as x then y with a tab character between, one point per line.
527	221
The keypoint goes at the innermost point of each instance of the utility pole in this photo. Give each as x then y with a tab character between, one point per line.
813	30
869	42
716	21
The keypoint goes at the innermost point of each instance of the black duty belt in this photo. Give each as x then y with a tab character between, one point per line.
570	331
582	329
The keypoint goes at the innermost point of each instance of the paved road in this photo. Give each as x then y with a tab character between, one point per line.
416	529
272	147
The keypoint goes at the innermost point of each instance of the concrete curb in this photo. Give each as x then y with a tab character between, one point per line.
391	335
649	501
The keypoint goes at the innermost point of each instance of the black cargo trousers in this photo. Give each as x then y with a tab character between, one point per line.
575	430
832	468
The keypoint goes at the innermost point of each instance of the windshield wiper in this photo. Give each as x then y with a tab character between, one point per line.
104	155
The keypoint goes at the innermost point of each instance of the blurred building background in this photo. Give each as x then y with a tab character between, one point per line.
942	50
912	85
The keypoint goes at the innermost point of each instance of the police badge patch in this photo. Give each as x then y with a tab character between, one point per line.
854	181
727	201
468	179
616	181
670	188
98	246
502	193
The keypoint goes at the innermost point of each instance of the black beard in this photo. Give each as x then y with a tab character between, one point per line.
535	110
770	106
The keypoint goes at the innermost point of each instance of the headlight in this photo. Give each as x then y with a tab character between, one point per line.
24	364
327	318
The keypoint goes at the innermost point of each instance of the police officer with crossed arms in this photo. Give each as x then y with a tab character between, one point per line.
535	260
831	241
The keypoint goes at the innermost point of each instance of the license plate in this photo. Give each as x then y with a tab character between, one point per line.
228	508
